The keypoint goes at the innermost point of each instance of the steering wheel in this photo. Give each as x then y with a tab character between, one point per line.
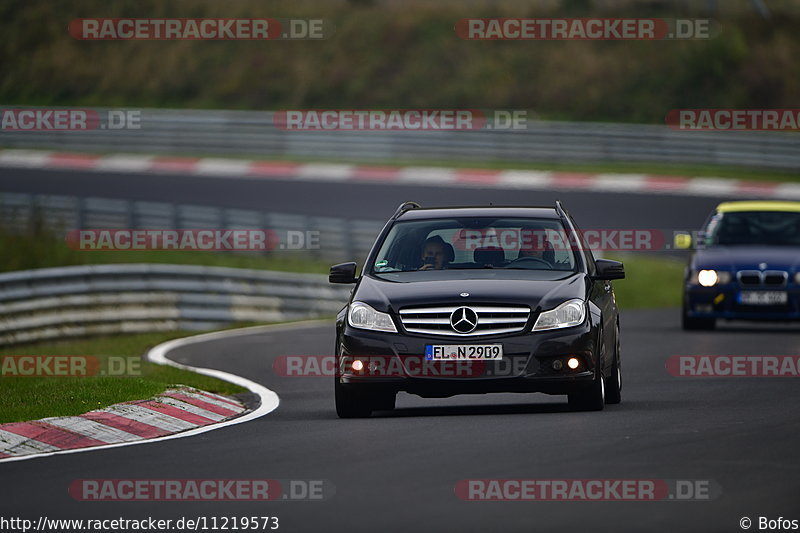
523	259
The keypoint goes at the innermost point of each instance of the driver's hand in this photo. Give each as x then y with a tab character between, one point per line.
427	267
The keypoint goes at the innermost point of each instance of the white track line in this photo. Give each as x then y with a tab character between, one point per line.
524	179
325	172
124	163
24	158
426	175
158	355
221	167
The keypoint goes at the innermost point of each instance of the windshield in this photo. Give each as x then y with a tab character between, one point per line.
770	228
475	243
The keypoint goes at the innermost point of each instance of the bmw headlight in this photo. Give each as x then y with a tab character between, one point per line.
360	315
570	313
709	278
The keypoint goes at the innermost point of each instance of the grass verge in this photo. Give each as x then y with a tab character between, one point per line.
650	282
31	398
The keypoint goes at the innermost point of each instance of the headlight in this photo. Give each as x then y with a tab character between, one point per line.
363	316
709	278
570	313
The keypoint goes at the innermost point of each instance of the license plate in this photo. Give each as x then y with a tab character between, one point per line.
463	352
763	297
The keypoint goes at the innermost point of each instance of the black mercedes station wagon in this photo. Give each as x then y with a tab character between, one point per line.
472	300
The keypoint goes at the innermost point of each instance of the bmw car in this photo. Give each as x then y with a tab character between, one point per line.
474	300
746	265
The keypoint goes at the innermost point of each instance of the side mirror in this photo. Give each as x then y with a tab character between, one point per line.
608	269
343	273
683	241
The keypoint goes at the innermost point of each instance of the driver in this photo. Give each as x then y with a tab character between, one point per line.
436	254
544	253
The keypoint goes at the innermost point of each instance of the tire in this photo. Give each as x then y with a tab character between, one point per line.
351	403
614	385
383	401
690	323
592	398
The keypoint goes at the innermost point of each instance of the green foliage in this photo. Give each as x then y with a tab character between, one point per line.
650	282
402	54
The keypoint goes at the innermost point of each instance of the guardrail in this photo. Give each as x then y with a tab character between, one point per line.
340	239
56	303
253	133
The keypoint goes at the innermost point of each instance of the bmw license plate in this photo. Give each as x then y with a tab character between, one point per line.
763	297
463	352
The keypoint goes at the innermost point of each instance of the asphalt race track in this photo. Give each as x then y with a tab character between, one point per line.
397	471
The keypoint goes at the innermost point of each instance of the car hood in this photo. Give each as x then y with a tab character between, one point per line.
748	258
538	294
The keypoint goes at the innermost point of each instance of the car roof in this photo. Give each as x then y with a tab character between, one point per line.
761	205
480	211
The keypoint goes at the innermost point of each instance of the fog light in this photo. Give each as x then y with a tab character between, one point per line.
557	364
358	366
573	363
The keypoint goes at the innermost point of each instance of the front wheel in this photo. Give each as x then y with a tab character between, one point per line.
350	403
614	388
591	399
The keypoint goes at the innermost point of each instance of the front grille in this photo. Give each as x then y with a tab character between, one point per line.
492	320
768	278
775	278
750	278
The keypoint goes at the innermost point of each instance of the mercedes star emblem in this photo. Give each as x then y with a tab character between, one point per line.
463	320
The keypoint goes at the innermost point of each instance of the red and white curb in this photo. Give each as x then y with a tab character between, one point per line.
387	175
124	424
175	410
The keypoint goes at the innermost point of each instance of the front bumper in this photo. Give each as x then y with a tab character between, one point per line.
526	366
722	301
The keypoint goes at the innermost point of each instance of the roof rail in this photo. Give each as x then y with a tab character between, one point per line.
405	206
560	208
